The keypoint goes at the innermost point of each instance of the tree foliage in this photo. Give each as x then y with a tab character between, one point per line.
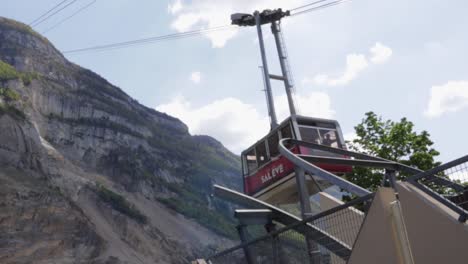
396	141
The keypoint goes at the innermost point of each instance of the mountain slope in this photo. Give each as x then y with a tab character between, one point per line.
89	175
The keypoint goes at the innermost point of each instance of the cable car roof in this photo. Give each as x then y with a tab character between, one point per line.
293	118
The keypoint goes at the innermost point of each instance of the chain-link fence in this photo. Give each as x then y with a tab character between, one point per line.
448	181
236	256
327	237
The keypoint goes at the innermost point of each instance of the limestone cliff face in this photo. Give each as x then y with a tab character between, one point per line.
88	175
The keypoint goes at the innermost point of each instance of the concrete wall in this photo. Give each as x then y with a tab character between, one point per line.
376	241
434	232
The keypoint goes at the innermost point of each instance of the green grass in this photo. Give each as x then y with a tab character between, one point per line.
8	72
208	218
193	203
9	94
28	77
120	204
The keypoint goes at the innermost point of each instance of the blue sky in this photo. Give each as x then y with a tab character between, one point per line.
396	58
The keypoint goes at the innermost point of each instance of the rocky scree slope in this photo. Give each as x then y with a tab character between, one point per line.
89	175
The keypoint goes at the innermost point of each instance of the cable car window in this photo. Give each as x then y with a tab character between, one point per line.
262	156
310	134
329	138
251	160
273	145
286	132
326	125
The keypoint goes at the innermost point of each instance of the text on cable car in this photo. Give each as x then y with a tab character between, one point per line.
275	171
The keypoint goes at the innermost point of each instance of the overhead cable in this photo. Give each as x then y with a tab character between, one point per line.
193	32
46	13
319	7
54	13
307	5
151	39
69	17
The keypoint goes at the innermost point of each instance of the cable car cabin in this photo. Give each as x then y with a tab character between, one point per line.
270	177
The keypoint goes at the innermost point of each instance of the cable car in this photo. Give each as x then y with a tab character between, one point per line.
269	176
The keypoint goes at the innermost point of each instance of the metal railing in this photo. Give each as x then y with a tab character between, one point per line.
453	191
329	236
336	231
446	183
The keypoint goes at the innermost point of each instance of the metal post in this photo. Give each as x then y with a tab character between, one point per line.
271	227
271	105
265	89
303	192
390	177
242	230
306	210
284	70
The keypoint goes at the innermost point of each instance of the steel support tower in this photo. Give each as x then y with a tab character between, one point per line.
274	17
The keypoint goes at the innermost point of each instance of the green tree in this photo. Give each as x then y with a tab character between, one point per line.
396	141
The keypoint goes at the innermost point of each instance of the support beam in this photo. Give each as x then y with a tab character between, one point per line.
275	29
312	248
271	104
254	216
276	77
244	237
352	162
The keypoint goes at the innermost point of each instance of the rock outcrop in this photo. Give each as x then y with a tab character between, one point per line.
89	175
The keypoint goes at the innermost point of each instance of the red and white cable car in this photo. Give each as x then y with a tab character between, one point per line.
269	176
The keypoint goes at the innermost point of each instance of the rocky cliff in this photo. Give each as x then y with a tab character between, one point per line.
89	175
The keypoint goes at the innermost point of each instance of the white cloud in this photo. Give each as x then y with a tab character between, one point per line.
237	124
316	104
195	77
231	121
350	136
380	53
175	7
212	13
355	64
461	176
450	97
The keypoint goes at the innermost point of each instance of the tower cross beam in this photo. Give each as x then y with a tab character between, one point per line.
266	16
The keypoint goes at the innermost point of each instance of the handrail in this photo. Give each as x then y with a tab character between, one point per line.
352	162
283	217
311	168
430	174
438	169
294	225
399	166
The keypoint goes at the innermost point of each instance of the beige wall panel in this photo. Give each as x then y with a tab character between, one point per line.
375	243
434	233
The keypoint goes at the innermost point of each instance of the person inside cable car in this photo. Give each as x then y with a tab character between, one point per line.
327	141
